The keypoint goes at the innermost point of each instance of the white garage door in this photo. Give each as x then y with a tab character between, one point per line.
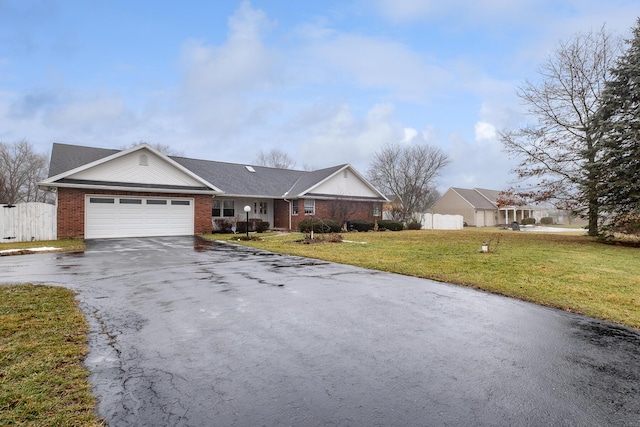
126	216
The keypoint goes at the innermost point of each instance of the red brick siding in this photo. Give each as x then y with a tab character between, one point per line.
70	213
358	210
71	209
202	213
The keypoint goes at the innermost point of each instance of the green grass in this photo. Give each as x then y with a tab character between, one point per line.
569	271
60	245
42	346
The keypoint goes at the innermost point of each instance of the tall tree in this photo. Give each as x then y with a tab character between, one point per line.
21	167
620	112
275	159
559	150
408	172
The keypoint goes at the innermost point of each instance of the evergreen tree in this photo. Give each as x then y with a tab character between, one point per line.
620	162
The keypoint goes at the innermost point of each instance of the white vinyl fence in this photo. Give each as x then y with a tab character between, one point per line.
441	222
24	222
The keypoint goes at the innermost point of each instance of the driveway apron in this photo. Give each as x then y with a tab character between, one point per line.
186	332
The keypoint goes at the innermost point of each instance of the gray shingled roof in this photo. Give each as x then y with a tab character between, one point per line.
65	157
475	198
232	178
236	179
492	195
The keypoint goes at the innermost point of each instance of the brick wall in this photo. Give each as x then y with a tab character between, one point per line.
337	210
202	213
71	209
70	213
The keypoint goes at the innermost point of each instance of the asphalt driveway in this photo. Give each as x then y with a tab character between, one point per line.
187	332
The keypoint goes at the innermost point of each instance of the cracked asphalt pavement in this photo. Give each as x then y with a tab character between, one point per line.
186	332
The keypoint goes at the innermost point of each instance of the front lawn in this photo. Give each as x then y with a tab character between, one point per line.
18	248
569	271
42	346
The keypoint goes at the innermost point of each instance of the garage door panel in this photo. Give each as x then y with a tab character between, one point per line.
138	217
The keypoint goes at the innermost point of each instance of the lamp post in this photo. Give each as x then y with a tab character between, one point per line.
247	209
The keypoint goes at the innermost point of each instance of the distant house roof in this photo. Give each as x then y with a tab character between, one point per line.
479	198
233	179
482	198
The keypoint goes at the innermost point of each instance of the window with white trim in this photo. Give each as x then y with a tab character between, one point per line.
228	208
294	207
309	206
215	211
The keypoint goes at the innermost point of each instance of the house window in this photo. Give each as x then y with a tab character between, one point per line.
216	208
228	208
294	207
376	210
263	208
309	206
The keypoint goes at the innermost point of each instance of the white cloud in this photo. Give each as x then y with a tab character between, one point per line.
463	10
388	66
222	84
346	138
485	131
409	134
97	114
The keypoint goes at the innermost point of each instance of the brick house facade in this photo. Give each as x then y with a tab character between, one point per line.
221	192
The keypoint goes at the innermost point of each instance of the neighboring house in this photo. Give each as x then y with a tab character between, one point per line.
479	207
142	192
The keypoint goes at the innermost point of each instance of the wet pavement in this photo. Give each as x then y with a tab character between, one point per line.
187	332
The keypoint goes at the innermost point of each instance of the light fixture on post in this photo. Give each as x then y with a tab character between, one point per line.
247	209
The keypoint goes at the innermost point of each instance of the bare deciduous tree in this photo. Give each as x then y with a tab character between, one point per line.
408	172
559	149
20	170
275	159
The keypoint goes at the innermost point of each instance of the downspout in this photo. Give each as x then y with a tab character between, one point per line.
289	202
213	196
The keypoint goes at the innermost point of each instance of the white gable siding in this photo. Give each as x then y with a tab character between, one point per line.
340	185
128	168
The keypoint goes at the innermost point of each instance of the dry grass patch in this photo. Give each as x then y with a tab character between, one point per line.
42	347
64	245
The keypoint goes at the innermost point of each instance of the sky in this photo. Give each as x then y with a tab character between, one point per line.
328	82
